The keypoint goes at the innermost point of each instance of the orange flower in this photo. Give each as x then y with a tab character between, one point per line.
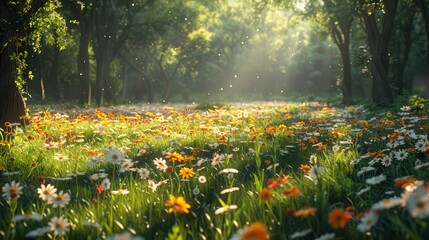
274	183
322	146
305	212
426	150
270	129
338	218
178	205
2	168
337	133
175	156
305	167
256	231
187	173
404	182
266	194
292	192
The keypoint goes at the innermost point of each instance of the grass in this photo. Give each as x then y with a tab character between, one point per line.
284	171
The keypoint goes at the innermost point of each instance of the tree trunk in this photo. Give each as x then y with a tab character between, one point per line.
341	34
12	105
54	75
378	40
423	7
83	67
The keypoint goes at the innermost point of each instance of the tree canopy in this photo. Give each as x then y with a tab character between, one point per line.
161	51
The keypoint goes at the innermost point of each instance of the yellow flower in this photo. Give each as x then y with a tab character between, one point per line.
175	156
178	205
186	172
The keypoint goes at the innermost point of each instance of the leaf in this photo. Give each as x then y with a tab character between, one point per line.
175	234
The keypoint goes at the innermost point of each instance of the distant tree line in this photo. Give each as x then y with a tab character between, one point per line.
93	52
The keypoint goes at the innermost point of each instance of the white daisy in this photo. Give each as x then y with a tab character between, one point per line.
46	192
202	179
60	200
115	156
59	225
143	172
418	203
367	221
376	180
105	184
160	164
400	155
12	190
225	209
120	191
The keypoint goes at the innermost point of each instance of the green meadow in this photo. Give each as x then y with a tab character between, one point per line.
239	171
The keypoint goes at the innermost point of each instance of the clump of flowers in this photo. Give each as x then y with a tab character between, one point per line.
177	204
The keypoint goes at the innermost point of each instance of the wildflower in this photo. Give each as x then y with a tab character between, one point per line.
60	226
265	194
338	218
421	145
94	161
335	148
401	154
364	170
61	199
94	177
218	159
12	190
387	203
313	159
314	171
225	209
228	170
187	173
202	179
301	234
99	189
229	190
120	191
160	164
256	231
152	185
405	108
404	182
115	156
175	156
178	204
46	192
305	167
386	161
144	173
292	192
305	212
326	236
367	221
60	157
106	184
418	203
196	191
376	180
126	165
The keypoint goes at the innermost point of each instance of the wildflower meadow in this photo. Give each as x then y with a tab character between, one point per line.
239	171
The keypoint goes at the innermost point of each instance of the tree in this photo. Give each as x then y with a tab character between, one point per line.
378	29
423	6
21	23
